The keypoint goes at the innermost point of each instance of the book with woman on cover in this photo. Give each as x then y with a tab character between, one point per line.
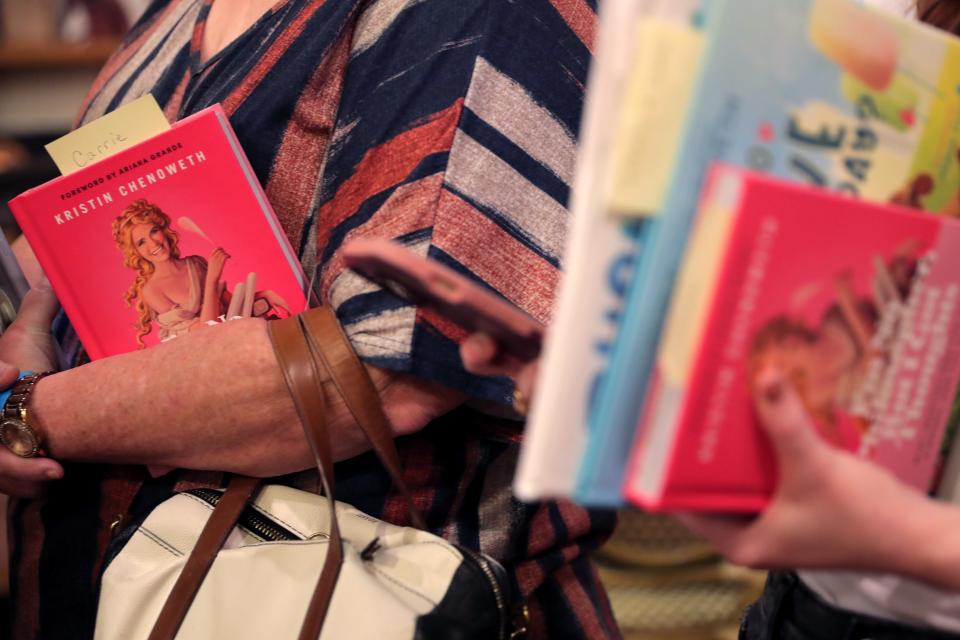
869	111
163	238
857	303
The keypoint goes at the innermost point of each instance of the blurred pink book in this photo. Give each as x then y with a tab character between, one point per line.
855	302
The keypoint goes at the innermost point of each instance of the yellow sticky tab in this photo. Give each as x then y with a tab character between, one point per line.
652	116
698	279
122	128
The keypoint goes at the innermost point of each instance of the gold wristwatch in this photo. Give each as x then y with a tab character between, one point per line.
18	432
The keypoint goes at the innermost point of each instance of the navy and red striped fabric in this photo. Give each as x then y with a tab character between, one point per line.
449	125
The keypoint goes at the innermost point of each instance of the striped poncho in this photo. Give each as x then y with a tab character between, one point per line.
447	124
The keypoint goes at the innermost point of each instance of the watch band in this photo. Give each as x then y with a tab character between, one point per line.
6	392
16	415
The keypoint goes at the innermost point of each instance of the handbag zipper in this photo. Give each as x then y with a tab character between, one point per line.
251	519
483	563
268	530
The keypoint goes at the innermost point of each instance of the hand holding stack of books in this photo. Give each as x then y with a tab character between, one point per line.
761	187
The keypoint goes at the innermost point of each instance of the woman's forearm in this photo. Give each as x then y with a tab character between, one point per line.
210	309
194	402
904	532
213	399
929	548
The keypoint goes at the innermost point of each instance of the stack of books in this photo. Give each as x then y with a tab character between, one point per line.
761	185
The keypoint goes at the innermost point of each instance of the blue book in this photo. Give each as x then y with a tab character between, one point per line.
823	92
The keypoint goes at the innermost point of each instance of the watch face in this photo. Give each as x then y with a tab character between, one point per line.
19	438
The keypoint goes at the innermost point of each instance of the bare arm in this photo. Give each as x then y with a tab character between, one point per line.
826	512
833	519
210	308
926	546
211	399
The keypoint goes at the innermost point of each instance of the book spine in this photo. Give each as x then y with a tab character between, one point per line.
683	338
617	405
621	393
575	357
598	250
54	271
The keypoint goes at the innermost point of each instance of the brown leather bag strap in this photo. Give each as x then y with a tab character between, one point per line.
214	534
304	381
331	345
304	345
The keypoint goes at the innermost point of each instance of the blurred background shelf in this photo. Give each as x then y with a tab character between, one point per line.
32	56
50	52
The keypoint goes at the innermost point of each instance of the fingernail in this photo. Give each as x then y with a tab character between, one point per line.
772	393
485	342
471	350
53	474
43	283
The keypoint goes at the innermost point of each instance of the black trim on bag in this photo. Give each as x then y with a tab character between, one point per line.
469	609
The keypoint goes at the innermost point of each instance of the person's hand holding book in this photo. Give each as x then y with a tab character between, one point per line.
831	508
28	346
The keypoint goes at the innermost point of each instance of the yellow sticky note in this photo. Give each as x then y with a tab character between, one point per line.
652	116
698	278
122	128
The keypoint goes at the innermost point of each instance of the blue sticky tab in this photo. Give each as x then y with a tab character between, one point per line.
5	394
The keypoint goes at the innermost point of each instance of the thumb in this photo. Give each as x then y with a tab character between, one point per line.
478	352
785	420
8	375
38	308
720	531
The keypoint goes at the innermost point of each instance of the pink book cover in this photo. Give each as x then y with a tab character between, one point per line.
857	303
128	242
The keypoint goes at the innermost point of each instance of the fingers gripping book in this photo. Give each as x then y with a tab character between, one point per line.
857	304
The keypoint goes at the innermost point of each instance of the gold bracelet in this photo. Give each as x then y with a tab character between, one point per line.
520	403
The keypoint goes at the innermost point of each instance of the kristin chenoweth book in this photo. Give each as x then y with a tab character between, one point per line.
166	237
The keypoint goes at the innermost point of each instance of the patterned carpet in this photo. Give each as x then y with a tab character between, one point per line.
665	584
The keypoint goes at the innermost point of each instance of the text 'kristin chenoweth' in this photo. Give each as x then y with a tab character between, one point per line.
124	184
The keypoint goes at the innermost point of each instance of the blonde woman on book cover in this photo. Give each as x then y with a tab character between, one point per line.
449	125
177	293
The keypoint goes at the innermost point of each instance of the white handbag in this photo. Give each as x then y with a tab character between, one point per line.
209	564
